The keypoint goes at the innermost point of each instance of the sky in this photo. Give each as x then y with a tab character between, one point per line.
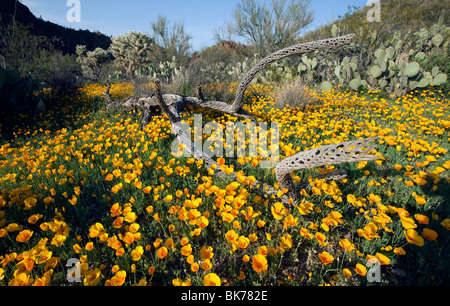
200	17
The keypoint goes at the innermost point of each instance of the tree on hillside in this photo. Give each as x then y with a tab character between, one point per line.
223	33
271	27
133	53
172	38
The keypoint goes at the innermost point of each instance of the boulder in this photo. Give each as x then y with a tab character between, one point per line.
40	107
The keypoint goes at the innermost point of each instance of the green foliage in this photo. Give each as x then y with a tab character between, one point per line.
225	62
60	72
371	62
165	71
37	57
12	77
375	71
334	31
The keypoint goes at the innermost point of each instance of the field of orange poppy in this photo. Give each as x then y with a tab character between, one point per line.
84	183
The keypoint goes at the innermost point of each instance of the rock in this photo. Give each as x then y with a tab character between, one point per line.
40	108
13	103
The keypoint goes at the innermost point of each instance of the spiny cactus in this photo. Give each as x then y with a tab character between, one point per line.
165	71
437	40
398	63
326	86
92	62
375	71
411	69
132	52
439	79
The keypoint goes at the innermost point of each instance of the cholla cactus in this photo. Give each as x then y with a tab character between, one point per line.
92	62
132	53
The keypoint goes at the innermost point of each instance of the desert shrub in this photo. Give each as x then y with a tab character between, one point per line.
294	94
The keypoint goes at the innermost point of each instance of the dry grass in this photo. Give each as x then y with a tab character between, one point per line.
293	94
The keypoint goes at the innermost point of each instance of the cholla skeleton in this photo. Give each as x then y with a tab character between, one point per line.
351	151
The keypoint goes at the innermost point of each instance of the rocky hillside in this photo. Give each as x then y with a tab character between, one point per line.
396	15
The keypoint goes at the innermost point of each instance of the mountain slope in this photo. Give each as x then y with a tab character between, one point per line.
68	38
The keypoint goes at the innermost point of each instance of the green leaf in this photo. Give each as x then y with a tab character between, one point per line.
380	54
427	75
345	60
382	83
313	63
337	72
301	68
306	61
390	52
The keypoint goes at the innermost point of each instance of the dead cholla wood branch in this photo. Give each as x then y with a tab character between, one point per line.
146	104
172	112
334	154
172	105
107	94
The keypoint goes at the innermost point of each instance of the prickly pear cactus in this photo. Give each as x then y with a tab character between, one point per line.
412	69
397	63
439	79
